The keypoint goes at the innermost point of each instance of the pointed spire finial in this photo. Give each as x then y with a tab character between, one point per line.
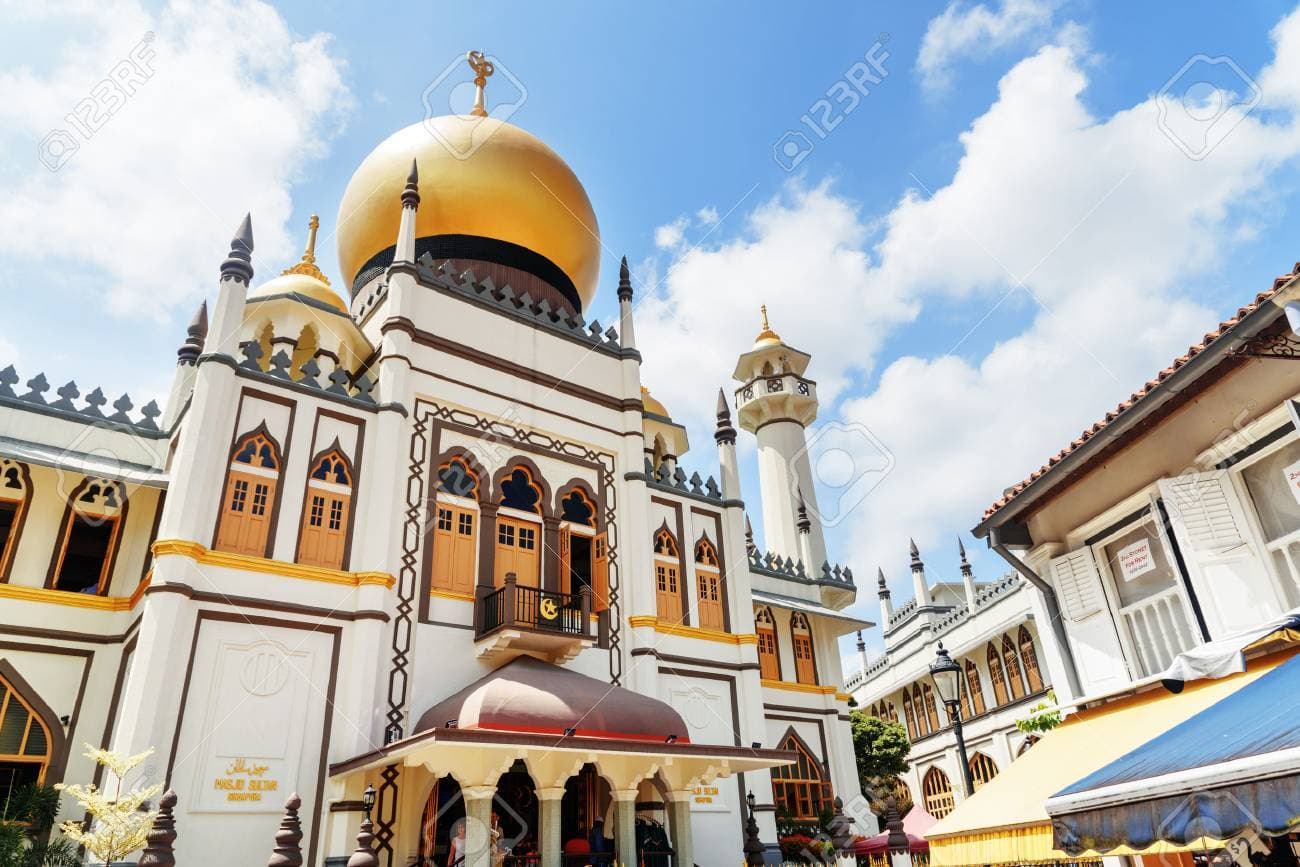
767	335
966	570
803	525
411	193
624	281
882	589
483	68
749	536
912	549
239	262
195	334
724	432
962	549
862	643
307	265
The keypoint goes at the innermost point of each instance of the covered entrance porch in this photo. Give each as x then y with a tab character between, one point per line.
538	766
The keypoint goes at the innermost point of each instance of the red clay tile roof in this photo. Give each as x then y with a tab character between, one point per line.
1124	406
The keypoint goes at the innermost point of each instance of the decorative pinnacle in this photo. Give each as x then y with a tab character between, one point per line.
411	194
724	433
803	525
883	589
239	262
749	536
307	265
483	68
862	644
965	564
624	281
916	555
195	335
767	334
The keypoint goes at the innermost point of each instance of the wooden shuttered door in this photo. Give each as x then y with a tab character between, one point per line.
325	528
600	572
769	666
517	551
455	546
708	586
668	600
1089	628
245	523
566	559
805	668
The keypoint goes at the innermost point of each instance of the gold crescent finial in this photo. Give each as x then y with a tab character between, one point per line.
767	335
762	308
483	68
308	264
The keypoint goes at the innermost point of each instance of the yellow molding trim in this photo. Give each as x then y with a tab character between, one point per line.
667	628
138	593
447	594
201	554
64	597
810	688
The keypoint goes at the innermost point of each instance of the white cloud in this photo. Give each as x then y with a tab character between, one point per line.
963	30
670	235
1100	227
707	216
235	107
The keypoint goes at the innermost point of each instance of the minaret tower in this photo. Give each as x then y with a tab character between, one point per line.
776	404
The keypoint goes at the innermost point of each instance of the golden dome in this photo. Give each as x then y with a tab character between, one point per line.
304	278
651	405
482	182
766	337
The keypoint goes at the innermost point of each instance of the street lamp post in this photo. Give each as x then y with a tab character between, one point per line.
946	674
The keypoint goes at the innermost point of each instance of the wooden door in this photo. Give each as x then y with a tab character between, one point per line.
454	549
667	595
805	671
600	572
709	598
246	515
566	559
517	552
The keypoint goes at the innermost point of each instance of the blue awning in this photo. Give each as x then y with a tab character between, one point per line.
1233	766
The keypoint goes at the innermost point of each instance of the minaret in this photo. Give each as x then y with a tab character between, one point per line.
725	436
920	589
187	359
405	251
626	331
967	577
886	607
232	293
776	404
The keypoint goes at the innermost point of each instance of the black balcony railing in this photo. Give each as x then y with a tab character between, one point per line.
515	605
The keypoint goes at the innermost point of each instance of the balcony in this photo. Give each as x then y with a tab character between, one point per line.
514	619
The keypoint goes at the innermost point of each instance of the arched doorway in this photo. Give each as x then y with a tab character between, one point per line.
587	801
515	820
442	811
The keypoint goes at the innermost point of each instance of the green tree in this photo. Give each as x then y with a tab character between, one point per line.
26	817
881	746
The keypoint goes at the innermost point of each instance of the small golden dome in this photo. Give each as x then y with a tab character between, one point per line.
766	337
651	405
303	279
481	180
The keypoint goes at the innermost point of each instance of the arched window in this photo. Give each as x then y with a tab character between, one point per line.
931	711
15	488
995	675
455	528
518	548
802	788
913	731
1027	653
584	554
92	528
1013	667
937	789
805	664
708	581
974	688
982	769
327	513
251	485
769	664
668	599
918	706
26	748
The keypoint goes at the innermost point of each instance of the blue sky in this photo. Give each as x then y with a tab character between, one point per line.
995	245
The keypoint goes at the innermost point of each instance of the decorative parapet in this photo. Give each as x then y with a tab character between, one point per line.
874	667
348	386
678	482
90	410
773	565
903	613
505	299
1008	583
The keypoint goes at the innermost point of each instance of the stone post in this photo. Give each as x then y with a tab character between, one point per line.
900	850
679	825
158	850
841	829
625	825
365	854
287	851
548	816
478	825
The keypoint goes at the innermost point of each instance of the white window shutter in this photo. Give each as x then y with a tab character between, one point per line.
1078	584
1212	530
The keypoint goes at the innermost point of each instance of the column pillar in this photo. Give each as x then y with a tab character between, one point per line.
548	816
478	825
679	825
625	825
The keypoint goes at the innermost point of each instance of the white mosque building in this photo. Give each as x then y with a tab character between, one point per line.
426	532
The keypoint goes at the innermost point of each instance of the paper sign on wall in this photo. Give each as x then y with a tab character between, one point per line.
1292	474
1136	559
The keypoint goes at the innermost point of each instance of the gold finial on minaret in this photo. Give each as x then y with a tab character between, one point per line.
482	69
767	335
308	264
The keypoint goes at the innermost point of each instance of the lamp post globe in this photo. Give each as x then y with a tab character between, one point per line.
946	674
